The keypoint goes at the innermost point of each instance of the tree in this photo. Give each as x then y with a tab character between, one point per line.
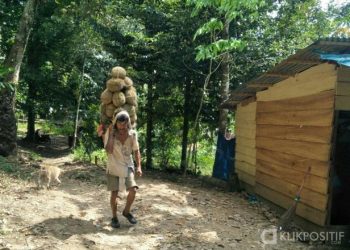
13	61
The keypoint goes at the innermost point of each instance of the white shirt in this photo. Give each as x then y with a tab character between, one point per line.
121	159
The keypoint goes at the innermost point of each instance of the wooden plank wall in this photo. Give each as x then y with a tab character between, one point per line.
245	129
342	99
294	131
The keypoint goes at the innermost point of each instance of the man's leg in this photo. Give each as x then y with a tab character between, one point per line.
129	200
113	201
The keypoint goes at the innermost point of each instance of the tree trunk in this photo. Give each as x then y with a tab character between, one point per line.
8	124
149	146
224	88
185	127
225	83
30	112
80	91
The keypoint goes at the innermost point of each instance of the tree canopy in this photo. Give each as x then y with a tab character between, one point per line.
168	48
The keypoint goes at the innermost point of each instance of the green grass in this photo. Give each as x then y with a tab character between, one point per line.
80	154
49	127
7	167
34	156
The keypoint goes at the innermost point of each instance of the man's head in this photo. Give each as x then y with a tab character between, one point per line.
122	120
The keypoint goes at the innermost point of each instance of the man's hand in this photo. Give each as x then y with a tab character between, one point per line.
139	171
100	130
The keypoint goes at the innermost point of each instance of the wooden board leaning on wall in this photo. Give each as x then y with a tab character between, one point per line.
314	215
308	197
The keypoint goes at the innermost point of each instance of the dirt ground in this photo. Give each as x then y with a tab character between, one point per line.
172	212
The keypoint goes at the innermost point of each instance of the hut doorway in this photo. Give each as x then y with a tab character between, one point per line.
340	203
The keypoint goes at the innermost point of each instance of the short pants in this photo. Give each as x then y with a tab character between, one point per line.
113	182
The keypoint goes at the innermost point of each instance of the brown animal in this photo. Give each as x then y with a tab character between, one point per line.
47	174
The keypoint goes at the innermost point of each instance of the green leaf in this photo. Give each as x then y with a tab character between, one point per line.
213	25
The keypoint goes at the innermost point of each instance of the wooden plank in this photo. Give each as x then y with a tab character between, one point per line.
246	158
247	153
342	102
247	125
246	150
246	116
242	94
314	80
249	107
304	133
245	119
308	197
318	168
302	61
323	117
259	85
245	167
248	129
247	178
248	101
314	215
315	183
246	133
343	88
323	100
248	142
343	74
275	74
309	150
245	147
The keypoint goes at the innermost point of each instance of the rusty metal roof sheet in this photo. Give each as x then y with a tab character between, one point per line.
294	64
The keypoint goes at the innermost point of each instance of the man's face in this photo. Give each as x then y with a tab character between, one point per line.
122	125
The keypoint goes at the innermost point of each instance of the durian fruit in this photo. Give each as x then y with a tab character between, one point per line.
115	84
120	94
110	110
118	99
118	72
130	96
106	96
128	82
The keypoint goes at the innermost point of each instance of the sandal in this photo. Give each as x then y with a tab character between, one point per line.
115	223
130	217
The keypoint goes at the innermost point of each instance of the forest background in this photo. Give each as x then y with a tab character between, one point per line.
183	56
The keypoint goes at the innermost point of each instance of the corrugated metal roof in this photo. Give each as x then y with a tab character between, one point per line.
294	64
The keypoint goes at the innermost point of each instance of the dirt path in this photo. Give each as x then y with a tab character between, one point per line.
76	215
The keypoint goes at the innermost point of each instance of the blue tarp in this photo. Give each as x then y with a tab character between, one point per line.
343	59
224	158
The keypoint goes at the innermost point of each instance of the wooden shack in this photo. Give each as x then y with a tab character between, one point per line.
293	117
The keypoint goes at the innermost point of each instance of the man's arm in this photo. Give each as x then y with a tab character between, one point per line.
137	156
110	140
